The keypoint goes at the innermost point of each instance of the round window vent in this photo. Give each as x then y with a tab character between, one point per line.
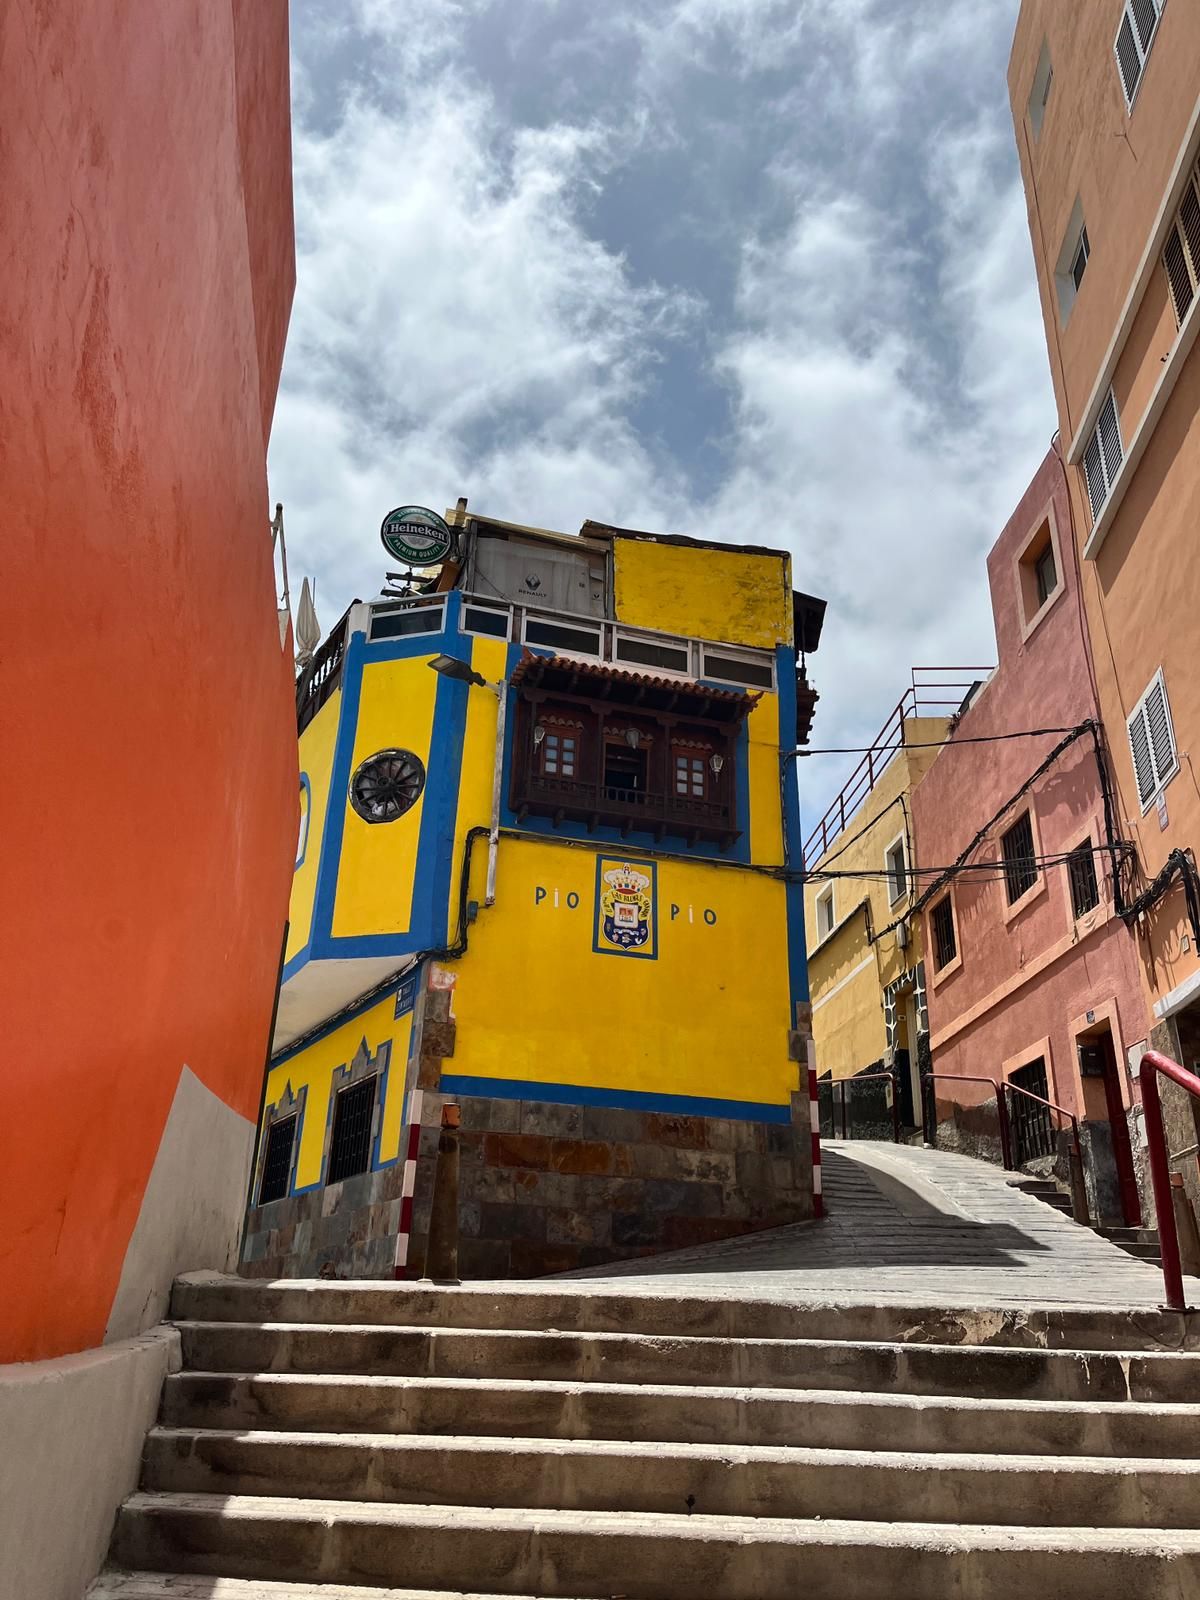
386	785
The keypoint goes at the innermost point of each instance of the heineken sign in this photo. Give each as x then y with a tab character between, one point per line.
416	535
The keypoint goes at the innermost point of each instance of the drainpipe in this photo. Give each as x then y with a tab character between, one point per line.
501	691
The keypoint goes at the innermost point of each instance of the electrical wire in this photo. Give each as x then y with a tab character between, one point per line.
932	744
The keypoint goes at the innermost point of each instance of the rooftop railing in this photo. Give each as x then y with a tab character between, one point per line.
933	692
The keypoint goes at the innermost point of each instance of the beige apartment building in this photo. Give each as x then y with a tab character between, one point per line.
1106	106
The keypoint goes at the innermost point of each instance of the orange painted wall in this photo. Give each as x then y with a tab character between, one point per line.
148	810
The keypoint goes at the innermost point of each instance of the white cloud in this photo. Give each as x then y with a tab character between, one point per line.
463	327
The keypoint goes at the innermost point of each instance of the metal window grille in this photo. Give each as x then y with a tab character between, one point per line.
945	945
353	1119
1081	868
1103	456
277	1162
1032	1127
1020	865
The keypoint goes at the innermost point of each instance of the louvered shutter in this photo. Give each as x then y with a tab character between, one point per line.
1145	16
1189	218
1129	59
1093	468
1143	761
1178	275
1158	723
1110	438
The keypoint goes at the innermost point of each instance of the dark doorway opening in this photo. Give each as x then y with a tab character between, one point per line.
1098	1059
1032	1127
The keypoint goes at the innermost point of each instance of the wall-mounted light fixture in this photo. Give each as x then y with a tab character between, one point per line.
632	737
716	762
539	733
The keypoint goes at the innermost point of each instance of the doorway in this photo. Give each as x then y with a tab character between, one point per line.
1098	1059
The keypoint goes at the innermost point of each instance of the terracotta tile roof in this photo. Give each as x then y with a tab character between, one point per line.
533	667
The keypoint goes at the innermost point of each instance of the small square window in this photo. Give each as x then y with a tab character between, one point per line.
1038	578
1043	77
1020	858
825	913
945	945
1046	574
1072	261
1081	869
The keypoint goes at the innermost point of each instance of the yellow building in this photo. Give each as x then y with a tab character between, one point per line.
865	963
556	881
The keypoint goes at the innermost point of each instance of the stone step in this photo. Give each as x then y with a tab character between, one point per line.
995	1372
176	1586
642	1556
821	1418
716	1480
210	1297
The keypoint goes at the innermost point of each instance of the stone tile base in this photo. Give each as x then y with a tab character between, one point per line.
345	1230
549	1188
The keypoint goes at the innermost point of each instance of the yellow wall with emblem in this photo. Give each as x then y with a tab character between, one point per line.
316	761
313	1068
707	1016
707	594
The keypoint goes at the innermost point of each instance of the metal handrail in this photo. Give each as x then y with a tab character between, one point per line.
1153	1062
1001	1107
868	1077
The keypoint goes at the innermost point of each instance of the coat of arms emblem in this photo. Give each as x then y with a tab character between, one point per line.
626	906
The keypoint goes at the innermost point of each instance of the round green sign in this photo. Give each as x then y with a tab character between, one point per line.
416	535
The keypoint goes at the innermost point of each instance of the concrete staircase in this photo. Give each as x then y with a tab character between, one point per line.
1141	1243
343	1442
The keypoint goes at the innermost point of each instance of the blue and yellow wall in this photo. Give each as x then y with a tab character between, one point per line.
696	1022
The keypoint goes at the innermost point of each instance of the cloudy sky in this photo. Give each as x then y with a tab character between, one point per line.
740	269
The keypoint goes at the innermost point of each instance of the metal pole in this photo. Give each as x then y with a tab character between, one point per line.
1160	1177
843	1087
501	690
1005	1127
895	1077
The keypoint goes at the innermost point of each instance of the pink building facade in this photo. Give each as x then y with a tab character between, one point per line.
1032	978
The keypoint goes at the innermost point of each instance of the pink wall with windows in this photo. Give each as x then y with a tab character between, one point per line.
1026	973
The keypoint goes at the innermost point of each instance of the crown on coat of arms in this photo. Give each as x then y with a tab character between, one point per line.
626	882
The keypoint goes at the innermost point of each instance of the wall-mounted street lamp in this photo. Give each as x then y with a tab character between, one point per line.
463	672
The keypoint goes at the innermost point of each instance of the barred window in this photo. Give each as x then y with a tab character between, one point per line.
1081	869
277	1161
945	946
353	1126
1020	863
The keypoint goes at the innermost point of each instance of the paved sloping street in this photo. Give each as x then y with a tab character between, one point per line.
909	1223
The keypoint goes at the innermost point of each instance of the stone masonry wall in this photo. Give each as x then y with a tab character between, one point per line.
549	1188
344	1230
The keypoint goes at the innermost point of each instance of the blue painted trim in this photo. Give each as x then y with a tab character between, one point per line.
562	1094
607	950
306	786
429	908
793	855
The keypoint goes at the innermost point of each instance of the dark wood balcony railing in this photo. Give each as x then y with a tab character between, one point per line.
610	805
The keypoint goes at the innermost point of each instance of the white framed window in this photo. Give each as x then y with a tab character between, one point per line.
1139	24
750	668
825	916
1072	261
1152	742
896	867
1043	77
494	622
1181	253
1103	456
